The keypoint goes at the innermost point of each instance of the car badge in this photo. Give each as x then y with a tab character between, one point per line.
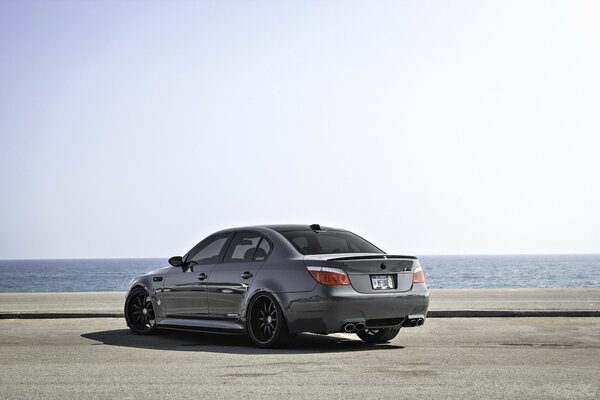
383	266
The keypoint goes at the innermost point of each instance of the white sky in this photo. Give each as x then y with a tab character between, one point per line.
134	129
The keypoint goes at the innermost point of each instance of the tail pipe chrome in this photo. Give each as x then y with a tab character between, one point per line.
351	327
414	320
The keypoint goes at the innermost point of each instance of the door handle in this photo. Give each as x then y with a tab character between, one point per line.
202	276
247	275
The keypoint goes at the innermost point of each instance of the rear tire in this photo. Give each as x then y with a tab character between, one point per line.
381	335
139	312
266	324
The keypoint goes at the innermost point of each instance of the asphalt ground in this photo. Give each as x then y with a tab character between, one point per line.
470	358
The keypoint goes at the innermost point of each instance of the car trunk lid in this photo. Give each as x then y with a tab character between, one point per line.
372	273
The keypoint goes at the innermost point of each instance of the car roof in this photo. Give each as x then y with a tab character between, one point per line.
282	228
298	227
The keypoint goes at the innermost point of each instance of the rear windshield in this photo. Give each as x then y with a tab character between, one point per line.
327	242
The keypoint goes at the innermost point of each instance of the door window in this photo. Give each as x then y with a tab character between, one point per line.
207	251
242	247
264	248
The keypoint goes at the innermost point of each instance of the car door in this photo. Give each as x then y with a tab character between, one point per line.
184	289
231	278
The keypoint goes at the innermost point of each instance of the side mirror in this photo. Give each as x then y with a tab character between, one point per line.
176	261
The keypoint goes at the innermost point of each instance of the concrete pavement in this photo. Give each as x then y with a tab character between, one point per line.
475	358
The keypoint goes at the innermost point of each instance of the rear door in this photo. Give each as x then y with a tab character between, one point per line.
231	278
184	289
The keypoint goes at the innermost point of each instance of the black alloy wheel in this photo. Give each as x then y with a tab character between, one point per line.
266	324
381	335
139	312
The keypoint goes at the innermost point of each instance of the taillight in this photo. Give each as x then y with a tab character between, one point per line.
329	276
418	275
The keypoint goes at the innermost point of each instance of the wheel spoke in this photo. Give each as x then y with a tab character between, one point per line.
263	319
140	312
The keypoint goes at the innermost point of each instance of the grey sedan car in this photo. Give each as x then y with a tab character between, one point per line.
274	281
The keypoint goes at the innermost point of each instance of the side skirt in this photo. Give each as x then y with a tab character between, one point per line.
204	325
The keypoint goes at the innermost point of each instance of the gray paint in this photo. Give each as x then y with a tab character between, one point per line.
220	302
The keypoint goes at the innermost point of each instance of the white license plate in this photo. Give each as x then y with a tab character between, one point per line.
380	282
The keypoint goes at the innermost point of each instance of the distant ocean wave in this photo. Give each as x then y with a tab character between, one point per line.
471	271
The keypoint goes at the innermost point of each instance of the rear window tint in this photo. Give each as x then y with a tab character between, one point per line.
329	242
263	250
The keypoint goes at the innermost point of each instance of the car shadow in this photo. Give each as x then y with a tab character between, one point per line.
231	344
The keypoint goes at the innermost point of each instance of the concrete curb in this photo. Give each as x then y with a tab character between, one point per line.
56	315
430	314
511	314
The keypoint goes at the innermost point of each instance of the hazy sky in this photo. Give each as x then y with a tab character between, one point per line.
134	129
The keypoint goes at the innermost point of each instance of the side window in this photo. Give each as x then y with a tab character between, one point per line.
264	248
242	247
207	251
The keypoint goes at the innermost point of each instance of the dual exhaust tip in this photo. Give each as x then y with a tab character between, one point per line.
415	322
351	327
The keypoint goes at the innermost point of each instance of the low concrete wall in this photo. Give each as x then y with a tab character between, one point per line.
444	303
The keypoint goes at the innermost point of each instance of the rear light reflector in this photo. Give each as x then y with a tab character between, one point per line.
418	275
329	276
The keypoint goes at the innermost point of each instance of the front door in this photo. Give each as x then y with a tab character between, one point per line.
184	289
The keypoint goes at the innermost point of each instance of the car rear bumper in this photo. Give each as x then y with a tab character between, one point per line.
327	309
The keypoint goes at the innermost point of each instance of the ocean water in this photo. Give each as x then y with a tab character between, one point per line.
471	271
512	271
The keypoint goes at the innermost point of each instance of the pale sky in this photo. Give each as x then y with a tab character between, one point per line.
135	129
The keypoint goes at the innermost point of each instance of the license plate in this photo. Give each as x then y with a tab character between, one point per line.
382	282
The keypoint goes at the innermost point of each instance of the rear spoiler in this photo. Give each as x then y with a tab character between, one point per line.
374	257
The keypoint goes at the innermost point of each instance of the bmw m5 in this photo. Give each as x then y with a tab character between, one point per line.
274	281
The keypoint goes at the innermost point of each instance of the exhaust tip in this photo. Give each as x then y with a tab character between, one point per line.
349	327
413	322
360	326
420	321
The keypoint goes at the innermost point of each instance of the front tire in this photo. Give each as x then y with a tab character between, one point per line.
139	312
381	335
265	322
